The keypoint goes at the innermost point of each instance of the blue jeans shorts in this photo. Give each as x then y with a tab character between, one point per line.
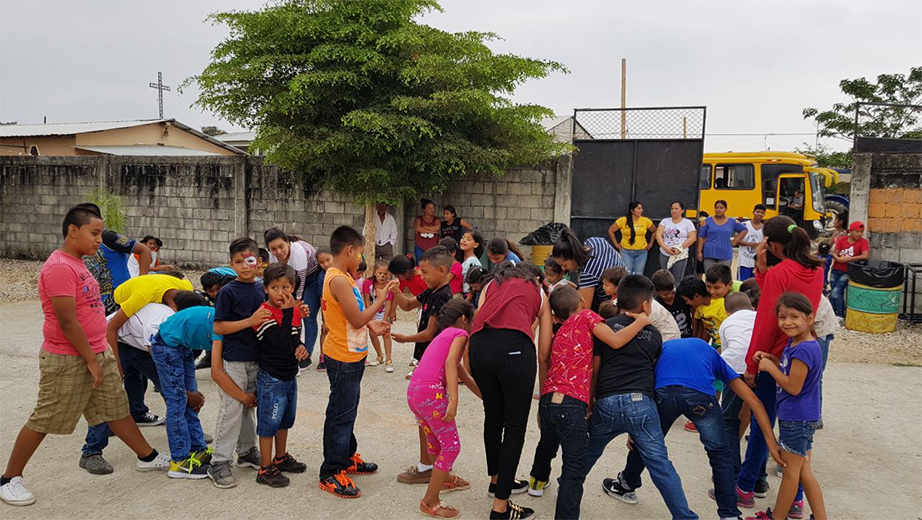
796	436
276	403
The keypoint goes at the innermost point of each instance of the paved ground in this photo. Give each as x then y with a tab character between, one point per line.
868	459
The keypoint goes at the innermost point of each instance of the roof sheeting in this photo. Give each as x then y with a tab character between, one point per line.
147	150
237	137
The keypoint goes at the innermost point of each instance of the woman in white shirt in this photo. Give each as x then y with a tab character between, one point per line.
675	235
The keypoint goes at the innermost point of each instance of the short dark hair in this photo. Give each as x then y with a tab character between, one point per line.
607	309
564	302
737	302
400	265
78	216
263	254
633	290
823	248
451	244
438	256
210	279
551	265
243	245
343	237
185	299
758	207
451	209
324	250
476	274
498	246
663	280
90	206
722	203
719	273
796	301
689	287
614	275
152	237
278	271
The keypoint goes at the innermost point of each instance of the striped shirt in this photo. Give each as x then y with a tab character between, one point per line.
602	256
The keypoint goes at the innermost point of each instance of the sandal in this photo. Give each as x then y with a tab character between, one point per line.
439	511
455	484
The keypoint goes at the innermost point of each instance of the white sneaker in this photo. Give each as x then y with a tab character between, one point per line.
374	363
389	368
15	493
160	463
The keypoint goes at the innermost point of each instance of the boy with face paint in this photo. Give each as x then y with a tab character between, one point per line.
234	367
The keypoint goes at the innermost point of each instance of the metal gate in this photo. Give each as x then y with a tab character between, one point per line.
652	155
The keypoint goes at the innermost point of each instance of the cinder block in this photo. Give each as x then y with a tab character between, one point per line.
910	256
877	209
911	196
911	210
892	210
910	225
333	207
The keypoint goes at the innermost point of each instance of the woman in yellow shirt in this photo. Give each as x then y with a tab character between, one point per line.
633	245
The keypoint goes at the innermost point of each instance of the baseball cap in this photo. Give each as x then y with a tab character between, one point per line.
856	225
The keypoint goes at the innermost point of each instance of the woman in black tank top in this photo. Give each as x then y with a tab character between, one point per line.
453	226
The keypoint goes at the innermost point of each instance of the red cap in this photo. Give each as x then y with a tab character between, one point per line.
856	225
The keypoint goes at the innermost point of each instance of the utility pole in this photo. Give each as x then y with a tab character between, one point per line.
623	98
160	88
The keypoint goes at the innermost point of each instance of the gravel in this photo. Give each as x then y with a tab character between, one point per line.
903	347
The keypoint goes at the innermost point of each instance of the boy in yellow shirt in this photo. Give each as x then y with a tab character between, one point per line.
709	311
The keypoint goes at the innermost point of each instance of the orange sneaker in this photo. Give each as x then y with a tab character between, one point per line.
340	485
360	467
690	427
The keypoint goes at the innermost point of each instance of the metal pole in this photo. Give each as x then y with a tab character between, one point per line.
160	92
684	127
623	98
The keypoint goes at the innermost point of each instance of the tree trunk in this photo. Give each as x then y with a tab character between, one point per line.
371	227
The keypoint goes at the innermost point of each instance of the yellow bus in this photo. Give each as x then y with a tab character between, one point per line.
745	179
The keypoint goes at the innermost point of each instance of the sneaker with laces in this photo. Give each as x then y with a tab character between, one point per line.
203	456
288	464
250	459
513	512
160	463
149	419
321	367
95	465
518	486
375	362
690	427
208	438
797	509
414	476
761	490
360	467
762	515
305	363
745	500
271	477
340	485
536	487
204	362
15	493
222	476
389	367
189	468
616	488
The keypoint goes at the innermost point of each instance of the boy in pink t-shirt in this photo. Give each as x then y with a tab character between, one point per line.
78	372
565	374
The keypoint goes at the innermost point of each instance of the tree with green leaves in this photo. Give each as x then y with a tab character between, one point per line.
361	98
826	157
900	122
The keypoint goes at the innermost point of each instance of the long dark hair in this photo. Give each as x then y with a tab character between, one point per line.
452	245
451	311
451	209
630	220
508	271
569	247
783	230
478	239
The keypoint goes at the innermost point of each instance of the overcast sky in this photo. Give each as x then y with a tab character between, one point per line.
754	64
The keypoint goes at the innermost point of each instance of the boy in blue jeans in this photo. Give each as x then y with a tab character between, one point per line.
280	350
623	384
685	375
191	328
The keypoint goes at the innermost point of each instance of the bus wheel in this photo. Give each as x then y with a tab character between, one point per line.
836	208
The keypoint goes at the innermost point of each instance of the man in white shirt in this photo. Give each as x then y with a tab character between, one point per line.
735	335
385	235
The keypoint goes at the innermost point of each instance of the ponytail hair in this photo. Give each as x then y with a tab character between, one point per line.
401	265
452	311
569	247
783	230
515	250
630	220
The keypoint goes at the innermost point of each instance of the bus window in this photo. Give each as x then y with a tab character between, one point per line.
734	177
705	183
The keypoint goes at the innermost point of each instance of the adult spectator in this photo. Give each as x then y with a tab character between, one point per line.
589	260
633	245
675	236
840	228
454	226
302	257
385	234
846	250
427	227
716	235
503	362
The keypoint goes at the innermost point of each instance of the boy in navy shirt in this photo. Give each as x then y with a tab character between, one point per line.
234	364
685	375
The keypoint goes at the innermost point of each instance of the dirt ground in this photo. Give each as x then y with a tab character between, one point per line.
868	458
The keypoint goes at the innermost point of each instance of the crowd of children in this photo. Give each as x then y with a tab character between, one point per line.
657	349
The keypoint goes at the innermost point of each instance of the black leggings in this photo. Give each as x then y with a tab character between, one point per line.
504	365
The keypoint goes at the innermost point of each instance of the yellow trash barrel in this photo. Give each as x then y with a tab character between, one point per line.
540	253
871	309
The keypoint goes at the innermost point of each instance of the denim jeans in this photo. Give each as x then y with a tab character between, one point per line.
636	415
176	367
634	260
731	405
824	347
339	443
138	367
276	404
311	297
704	411
838	282
563	425
757	451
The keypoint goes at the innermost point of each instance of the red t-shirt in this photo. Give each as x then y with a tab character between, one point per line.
848	249
457	283
416	284
426	243
513	304
570	370
64	275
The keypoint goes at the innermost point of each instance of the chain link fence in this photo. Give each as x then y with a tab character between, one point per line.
639	123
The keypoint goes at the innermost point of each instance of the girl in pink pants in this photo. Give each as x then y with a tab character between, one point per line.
433	397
